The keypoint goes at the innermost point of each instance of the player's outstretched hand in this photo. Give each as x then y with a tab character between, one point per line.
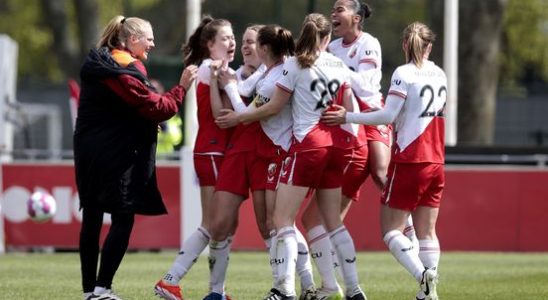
228	118
334	116
188	76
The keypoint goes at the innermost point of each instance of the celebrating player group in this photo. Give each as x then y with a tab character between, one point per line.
304	118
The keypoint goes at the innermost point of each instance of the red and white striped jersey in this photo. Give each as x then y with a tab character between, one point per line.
420	127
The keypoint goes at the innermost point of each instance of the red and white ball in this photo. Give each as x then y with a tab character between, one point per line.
41	206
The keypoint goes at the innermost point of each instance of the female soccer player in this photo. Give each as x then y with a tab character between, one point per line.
313	77
115	143
347	17
361	52
415	105
253	152
211	43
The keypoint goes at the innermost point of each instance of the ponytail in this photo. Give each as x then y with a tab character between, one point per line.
287	44
361	9
193	54
280	40
196	50
417	36
315	28
119	29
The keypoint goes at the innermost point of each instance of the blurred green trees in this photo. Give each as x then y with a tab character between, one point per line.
54	36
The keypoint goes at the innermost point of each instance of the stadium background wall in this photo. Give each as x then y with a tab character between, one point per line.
483	209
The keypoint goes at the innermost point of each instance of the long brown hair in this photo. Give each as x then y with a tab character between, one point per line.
417	37
196	50
119	29
280	40
315	28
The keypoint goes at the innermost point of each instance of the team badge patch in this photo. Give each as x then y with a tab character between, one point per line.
271	172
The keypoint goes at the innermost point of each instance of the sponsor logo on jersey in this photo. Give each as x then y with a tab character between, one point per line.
285	72
396	81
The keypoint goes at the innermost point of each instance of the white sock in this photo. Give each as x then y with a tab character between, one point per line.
344	246
320	250
429	253
303	267
409	232
286	258
99	290
272	253
192	248
336	263
401	248
218	264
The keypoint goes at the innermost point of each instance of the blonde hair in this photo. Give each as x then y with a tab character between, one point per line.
315	28
119	29
417	37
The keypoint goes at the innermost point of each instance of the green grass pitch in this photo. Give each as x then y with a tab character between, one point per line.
463	275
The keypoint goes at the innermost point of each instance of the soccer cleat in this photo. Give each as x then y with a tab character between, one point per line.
108	295
357	294
216	296
428	284
168	291
308	294
275	294
420	295
325	294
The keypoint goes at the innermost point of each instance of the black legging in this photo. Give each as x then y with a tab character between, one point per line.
114	247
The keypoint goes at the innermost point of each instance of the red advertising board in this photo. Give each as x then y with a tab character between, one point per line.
483	209
19	181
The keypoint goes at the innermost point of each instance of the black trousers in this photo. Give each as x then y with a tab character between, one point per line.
114	247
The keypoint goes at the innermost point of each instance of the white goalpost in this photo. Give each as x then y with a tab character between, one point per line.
191	209
450	65
8	81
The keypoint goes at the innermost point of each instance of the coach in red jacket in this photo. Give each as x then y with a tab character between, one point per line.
115	145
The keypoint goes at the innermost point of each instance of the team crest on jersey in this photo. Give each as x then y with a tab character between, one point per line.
271	172
353	53
287	161
285	166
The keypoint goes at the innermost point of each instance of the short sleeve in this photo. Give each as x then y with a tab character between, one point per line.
288	81
370	53
398	84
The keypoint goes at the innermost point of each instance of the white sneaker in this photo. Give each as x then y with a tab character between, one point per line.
428	284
